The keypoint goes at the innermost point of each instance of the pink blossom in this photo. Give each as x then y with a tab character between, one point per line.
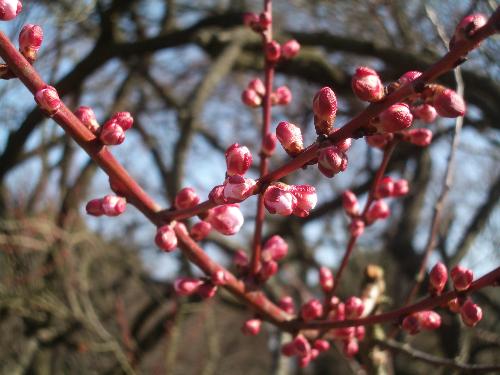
306	199
238	188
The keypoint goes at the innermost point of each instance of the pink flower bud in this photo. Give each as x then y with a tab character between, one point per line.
429	320
165	238
9	9
311	310
87	117
438	277
321	345
268	270
30	41
112	134
200	230
426	112
48	100
344	333
278	199
351	348
269	144
238	188
302	346
411	324
207	290
401	188
250	98
288	349
94	207
275	249
471	313
350	203
331	161
238	159
395	118
124	119
273	51
366	85
251	327
306	199
354	307
226	219
187	286
338	309
186	198
385	187
379	140
357	227
258	86
462	277
240	259
360	333
113	205
325	110
305	360
449	104
408	77
250	19
419	137
287	305
290	138
378	210
467	26
326	279
282	96
290	49
216	195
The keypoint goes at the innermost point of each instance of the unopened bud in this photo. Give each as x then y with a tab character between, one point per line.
282	96
306	199
379	140
275	249
250	19
187	286
468	26
385	188
251	327
269	144
200	230
471	313
268	270
360	333
395	118
438	277
401	188
94	207
207	290
238	188
251	98
302	346
287	305
87	117
449	104
30	41
350	203
311	310
326	279
408	77
113	205
240	259
238	159
290	137
258	86
366	85
357	227
429	320
351	348
112	134
325	110
462	277
378	210
354	307
273	51
331	161
165	238
9	9
426	112
216	195
411	324
124	119
419	137
278	199
48	100
226	219
186	198
290	49
321	345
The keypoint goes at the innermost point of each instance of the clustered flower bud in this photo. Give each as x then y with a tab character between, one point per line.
438	277
226	219
290	137
389	187
109	205
462	277
165	238
282	96
254	93
354	307
30	41
285	200
311	310
87	117
366	85
325	110
306	199
113	131
378	210
422	320
48	100
238	159
9	9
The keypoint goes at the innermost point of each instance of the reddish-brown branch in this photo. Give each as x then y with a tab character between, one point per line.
266	124
449	61
490	279
388	150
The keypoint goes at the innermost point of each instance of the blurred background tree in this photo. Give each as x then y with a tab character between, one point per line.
89	295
